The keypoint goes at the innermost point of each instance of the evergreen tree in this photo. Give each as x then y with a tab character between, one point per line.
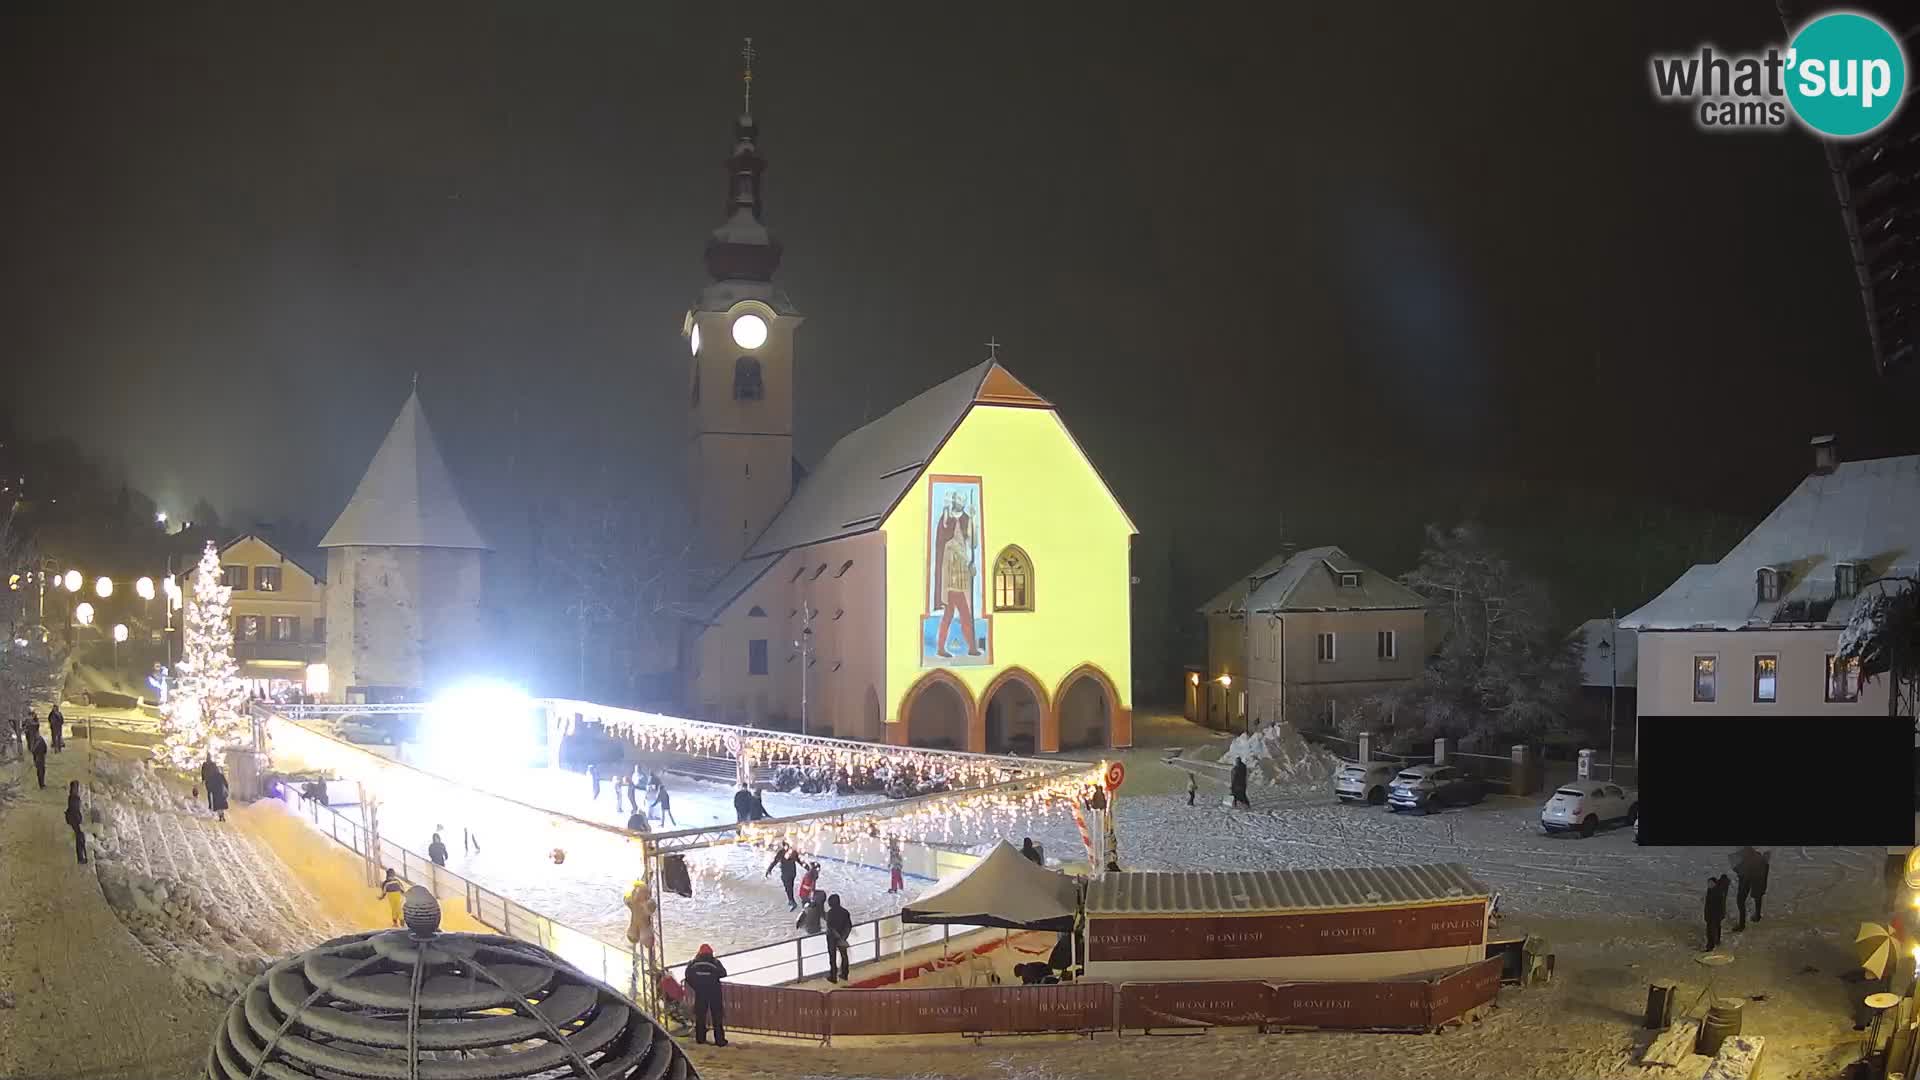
207	709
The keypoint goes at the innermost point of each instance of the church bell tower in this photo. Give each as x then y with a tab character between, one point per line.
740	468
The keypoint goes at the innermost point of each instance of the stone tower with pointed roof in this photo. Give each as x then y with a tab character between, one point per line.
739	332
405	570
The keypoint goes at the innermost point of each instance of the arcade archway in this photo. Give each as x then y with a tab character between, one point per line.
937	713
1013	710
1086	709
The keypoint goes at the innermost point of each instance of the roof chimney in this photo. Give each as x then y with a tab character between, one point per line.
1826	455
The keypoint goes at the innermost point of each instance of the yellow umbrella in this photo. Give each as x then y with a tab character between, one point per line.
1874	946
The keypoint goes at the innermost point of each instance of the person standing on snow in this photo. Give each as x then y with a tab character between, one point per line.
787	860
207	771
839	933
437	848
37	746
57	724
1750	868
217	792
663	802
1716	909
704	973
1240	783
75	820
394	891
896	866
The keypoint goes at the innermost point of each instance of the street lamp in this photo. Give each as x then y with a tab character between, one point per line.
805	648
160	518
83	614
104	587
72	580
119	635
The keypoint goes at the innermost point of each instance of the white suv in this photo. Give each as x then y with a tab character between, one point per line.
1584	805
1363	781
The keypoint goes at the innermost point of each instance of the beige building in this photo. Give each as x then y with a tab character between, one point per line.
404	574
1326	631
1755	633
279	615
955	573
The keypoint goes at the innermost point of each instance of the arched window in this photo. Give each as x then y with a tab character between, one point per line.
746	379
1767	584
1013	581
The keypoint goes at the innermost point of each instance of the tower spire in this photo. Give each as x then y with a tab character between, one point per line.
746	78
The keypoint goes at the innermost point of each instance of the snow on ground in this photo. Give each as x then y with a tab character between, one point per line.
202	897
735	905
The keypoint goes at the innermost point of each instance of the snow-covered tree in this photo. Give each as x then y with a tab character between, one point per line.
29	665
207	707
1884	636
1499	673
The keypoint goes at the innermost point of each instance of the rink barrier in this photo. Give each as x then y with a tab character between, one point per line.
1087	1008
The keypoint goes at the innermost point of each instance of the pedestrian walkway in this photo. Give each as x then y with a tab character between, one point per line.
87	1000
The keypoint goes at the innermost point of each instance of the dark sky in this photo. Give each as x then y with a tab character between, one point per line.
1348	266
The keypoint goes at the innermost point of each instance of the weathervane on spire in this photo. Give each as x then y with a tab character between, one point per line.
993	348
747	54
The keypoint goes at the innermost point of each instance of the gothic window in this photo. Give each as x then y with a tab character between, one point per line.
746	379
1013	581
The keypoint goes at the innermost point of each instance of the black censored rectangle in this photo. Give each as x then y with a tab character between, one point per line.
1818	781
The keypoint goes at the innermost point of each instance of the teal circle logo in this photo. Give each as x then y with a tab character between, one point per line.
1845	74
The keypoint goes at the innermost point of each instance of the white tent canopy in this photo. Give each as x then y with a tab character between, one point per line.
1004	889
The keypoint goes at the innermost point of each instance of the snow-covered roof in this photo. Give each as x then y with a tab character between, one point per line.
1310	581
407	498
1252	892
303	562
1863	512
1597	657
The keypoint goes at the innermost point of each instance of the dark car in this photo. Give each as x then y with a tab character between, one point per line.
1429	787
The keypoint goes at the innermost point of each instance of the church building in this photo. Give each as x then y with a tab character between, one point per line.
953	574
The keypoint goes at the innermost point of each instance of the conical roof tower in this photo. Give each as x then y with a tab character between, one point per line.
407	497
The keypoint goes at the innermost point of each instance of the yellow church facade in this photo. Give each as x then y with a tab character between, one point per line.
954	573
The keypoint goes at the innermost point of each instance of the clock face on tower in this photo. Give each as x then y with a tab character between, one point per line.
695	339
749	331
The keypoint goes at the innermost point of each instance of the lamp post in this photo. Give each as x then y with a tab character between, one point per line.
119	635
83	614
805	647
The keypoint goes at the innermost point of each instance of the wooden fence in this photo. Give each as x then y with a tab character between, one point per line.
1089	1007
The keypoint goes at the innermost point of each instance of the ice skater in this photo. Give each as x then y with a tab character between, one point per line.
437	848
787	861
742	805
75	820
839	934
469	841
57	726
662	803
809	882
395	893
593	776
896	866
1716	908
1240	784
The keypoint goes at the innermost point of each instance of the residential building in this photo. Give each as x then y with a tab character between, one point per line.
404	572
1756	632
279	614
955	573
1326	632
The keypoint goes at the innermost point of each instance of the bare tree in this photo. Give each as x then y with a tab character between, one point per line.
30	664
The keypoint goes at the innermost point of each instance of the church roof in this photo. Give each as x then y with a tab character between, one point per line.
865	474
407	498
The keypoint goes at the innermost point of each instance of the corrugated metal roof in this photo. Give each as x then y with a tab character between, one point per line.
1263	891
1309	581
407	498
1864	512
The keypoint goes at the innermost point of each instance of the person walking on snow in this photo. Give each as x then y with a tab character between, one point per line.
37	746
703	977
839	932
742	806
217	792
663	803
57	725
437	848
1240	783
1193	787
74	819
1716	909
896	866
207	770
394	891
1750	868
787	860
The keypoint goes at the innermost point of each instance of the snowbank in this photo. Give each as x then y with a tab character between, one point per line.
1278	754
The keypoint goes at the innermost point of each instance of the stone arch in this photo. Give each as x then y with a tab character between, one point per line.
938	710
1087	713
1013	712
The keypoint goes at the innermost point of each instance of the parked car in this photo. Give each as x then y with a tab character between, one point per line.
1363	781
1428	787
1585	805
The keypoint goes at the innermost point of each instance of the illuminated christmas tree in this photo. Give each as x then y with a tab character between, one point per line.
207	710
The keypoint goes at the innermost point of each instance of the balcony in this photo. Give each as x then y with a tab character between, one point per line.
302	652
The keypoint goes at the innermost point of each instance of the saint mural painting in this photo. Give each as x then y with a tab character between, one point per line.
953	632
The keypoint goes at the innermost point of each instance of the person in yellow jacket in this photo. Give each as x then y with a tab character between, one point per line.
395	892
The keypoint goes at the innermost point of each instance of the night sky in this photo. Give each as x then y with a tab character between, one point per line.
1352	268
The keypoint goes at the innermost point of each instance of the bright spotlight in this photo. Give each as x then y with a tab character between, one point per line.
480	725
119	632
144	587
104	587
83	614
72	581
160	517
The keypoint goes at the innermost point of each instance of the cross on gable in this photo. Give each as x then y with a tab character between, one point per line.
993	348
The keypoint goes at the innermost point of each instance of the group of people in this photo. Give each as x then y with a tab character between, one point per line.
750	804
1750	870
628	784
22	737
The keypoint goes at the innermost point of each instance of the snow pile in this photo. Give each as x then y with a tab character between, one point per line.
1738	1059
178	923
1278	754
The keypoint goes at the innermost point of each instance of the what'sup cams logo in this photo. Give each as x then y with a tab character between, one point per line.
1843	75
